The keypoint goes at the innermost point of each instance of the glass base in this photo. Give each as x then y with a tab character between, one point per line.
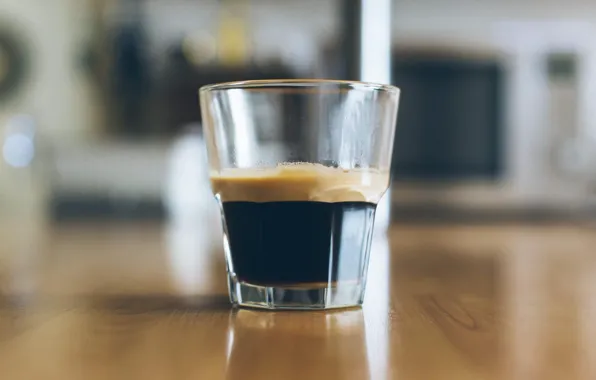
311	297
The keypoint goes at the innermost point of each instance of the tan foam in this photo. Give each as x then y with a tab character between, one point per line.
300	182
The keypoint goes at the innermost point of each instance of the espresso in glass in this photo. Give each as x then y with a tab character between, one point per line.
299	225
298	167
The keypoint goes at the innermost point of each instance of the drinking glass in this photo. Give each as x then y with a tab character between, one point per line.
298	167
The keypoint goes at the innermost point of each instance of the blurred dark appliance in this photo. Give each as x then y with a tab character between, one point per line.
450	121
130	71
14	63
152	97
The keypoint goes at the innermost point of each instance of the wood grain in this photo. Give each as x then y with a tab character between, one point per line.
443	302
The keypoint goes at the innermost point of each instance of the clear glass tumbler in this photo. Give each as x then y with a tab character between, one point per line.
298	167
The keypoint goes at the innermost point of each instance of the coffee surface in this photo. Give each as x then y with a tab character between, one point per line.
300	182
298	242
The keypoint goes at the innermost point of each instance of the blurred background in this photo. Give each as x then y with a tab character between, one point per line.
99	118
103	182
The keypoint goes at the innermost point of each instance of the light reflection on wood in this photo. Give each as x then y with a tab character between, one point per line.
523	310
587	314
376	310
443	302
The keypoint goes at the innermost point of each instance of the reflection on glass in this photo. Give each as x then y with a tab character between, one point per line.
244	131
289	345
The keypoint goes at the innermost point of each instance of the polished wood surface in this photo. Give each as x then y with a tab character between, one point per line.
122	301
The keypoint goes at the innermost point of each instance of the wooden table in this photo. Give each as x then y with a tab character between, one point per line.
120	301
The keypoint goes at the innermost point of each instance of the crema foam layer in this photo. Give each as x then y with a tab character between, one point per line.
300	182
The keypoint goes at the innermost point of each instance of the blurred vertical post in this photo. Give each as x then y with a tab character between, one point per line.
366	45
367	50
351	43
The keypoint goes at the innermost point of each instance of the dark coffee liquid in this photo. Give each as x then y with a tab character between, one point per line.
299	225
298	242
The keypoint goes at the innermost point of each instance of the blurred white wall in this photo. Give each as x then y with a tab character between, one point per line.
57	94
472	22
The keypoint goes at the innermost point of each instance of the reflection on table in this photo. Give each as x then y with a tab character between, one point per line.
466	302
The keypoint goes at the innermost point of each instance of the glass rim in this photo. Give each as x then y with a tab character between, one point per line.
297	83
